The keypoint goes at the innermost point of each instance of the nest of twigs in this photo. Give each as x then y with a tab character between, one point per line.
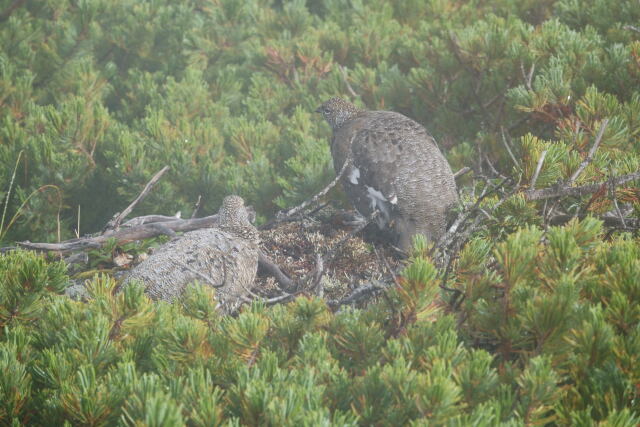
295	245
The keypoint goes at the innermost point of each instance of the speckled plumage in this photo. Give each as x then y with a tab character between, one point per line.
396	168
225	257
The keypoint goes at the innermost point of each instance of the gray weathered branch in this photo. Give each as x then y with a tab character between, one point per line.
582	190
465	170
115	223
538	169
592	151
124	235
283	216
358	294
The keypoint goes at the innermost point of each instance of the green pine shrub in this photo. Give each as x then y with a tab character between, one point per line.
531	325
100	95
547	332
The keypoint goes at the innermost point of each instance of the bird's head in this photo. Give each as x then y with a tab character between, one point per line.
233	209
236	218
336	111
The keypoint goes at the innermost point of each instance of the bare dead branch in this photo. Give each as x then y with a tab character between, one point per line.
538	168
284	216
449	236
357	295
324	191
124	235
506	145
456	293
163	229
619	212
609	221
345	79
465	170
147	189
268	301
493	169
565	190
148	219
461	231
528	77
77	258
612	192
196	208
281	298
592	151
317	276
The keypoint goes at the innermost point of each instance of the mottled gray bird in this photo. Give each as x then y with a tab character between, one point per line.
225	257
396	168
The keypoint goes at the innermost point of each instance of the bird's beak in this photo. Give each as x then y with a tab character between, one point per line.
319	110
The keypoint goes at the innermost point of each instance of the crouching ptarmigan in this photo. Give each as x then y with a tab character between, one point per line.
396	167
225	257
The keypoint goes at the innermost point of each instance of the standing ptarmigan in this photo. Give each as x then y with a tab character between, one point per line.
225	257
396	167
